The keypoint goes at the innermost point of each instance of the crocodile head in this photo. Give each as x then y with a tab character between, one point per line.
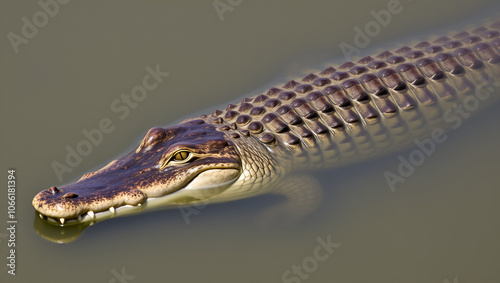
180	163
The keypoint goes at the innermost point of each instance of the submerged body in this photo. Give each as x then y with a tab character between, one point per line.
329	118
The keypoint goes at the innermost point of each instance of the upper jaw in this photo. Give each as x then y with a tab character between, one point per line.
76	202
64	205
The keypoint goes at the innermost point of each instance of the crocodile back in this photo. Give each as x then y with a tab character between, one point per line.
371	106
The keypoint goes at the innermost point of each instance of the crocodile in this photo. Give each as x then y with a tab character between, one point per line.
332	117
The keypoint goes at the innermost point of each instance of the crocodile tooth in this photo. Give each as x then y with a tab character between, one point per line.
139	204
62	220
112	209
91	213
41	215
79	218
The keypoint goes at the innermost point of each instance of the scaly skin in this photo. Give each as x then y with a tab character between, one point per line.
333	117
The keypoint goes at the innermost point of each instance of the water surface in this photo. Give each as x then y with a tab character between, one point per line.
440	224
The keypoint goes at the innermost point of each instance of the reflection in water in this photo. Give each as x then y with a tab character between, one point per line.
59	234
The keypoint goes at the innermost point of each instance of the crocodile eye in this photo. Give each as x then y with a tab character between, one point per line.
181	156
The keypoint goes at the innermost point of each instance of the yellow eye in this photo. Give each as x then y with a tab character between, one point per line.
181	156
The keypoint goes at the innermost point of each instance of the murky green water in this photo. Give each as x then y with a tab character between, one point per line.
440	224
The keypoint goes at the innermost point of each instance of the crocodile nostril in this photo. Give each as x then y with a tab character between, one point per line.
69	195
53	190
